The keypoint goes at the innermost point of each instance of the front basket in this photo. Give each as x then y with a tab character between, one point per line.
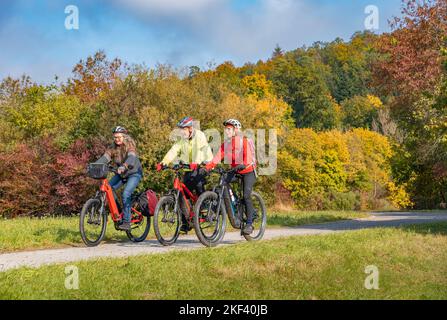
97	170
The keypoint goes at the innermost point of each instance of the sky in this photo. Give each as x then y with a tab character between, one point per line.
35	41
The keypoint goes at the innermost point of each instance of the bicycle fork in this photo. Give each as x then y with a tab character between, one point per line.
228	208
96	219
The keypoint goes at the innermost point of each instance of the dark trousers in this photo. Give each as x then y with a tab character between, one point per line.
195	182
248	181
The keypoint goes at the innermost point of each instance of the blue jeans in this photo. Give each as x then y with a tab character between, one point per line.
132	182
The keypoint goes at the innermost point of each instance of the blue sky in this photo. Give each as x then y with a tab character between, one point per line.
33	38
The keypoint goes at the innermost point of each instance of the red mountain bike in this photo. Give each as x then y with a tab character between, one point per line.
94	215
180	200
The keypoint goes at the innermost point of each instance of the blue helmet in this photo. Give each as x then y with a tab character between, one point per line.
185	122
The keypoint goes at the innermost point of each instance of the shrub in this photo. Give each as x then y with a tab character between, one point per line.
341	201
39	179
335	170
26	186
71	185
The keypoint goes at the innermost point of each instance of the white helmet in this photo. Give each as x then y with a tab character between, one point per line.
235	123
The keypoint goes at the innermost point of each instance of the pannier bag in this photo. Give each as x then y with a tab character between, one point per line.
148	201
97	170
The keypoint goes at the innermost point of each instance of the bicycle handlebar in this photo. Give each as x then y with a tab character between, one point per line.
113	169
177	167
221	169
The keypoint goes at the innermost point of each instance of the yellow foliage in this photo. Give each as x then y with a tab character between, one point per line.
257	86
335	140
267	113
375	101
319	166
398	196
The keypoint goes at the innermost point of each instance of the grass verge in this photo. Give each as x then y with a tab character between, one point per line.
56	232
410	261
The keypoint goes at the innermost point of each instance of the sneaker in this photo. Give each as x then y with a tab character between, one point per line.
248	229
125	226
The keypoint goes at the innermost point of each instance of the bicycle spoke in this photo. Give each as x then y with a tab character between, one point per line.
92	223
166	221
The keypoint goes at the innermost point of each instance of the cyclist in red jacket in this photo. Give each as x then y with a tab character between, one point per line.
239	151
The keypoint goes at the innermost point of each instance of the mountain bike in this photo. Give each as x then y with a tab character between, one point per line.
170	208
230	200
95	212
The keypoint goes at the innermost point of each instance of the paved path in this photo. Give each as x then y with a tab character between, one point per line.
190	242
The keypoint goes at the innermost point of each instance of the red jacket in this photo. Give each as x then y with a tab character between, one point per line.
238	150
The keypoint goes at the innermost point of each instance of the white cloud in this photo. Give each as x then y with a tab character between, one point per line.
169	7
245	33
180	32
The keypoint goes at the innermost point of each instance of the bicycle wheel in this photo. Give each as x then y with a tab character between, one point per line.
92	224
166	221
208	224
139	230
259	218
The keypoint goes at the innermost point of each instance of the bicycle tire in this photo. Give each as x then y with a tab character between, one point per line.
146	220
220	232
90	204
263	220
164	201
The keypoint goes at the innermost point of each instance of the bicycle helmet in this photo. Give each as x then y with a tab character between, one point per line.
185	122
119	129
233	122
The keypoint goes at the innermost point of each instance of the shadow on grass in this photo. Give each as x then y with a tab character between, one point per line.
425	214
60	234
439	228
421	225
293	221
72	237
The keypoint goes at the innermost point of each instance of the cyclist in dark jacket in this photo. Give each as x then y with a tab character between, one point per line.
123	153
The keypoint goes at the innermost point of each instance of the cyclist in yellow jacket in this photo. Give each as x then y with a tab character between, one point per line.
192	149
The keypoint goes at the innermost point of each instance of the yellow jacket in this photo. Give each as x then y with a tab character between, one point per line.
193	150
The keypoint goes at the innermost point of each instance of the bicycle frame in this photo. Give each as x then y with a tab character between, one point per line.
223	185
181	188
109	196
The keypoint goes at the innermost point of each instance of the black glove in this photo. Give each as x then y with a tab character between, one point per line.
240	167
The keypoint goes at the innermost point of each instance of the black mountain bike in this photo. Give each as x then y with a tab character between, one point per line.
228	200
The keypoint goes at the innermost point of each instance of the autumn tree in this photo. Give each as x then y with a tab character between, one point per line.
94	77
412	74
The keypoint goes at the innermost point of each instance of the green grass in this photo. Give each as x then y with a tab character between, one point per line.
28	234
411	262
52	232
298	218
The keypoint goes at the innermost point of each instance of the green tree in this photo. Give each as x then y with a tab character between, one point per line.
301	81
